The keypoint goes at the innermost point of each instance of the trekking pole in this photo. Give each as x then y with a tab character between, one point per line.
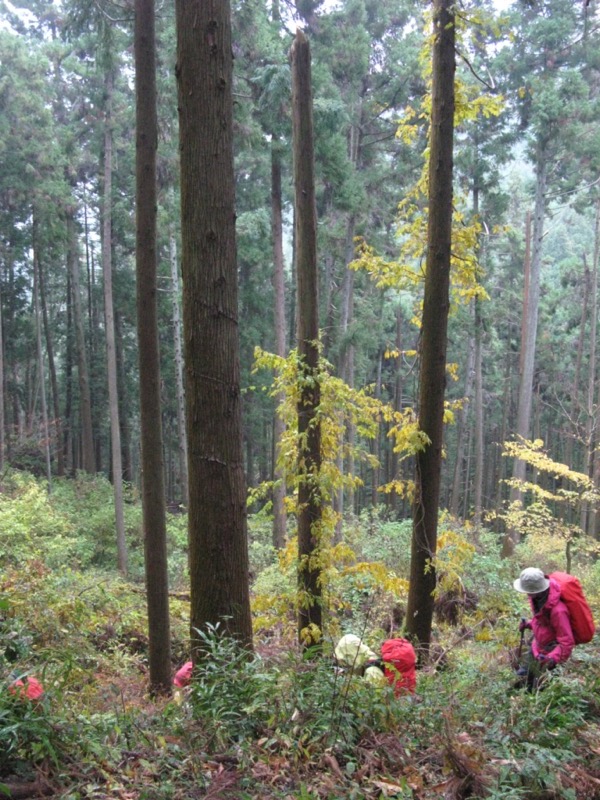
520	650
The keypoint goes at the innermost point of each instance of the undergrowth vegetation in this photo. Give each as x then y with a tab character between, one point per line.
276	725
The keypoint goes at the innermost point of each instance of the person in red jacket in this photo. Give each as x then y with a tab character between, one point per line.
553	639
183	676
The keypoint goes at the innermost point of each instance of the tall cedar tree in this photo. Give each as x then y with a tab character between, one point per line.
434	327
217	485
153	489
309	430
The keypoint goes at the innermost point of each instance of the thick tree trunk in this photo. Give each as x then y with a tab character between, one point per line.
529	336
310	619
434	328
153	479
109	322
217	510
88	458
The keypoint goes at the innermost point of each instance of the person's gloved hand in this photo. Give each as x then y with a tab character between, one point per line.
545	661
524	625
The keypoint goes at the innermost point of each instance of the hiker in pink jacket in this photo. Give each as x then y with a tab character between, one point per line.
553	638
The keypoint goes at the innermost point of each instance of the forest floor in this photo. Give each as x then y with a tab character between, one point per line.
465	734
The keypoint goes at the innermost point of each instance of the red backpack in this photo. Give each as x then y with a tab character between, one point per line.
572	595
399	665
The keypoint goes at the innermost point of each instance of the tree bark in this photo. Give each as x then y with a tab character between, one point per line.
479	433
40	356
529	336
458	480
153	480
58	435
594	465
434	328
178	344
2	415
279	490
217	510
310	618
88	458
109	322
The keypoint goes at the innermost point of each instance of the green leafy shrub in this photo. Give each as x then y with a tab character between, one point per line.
232	692
28	735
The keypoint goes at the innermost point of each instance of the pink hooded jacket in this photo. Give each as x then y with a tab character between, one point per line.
552	626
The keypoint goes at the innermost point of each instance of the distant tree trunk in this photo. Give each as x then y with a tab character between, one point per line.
178	342
594	465
88	458
40	356
217	510
153	480
375	445
60	460
461	431
279	491
506	404
528	342
589	407
123	416
2	419
398	403
68	444
419	612
310	617
575	407
109	321
479	434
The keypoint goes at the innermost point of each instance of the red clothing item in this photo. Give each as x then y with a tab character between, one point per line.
183	676
552	632
29	688
399	665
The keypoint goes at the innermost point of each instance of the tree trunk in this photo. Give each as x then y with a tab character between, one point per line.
589	407
575	407
398	403
279	490
2	419
68	443
594	462
434	328
479	435
109	321
153	480
529	337
217	511
458	480
40	356
58	435
310	618
126	454
88	459
178	343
